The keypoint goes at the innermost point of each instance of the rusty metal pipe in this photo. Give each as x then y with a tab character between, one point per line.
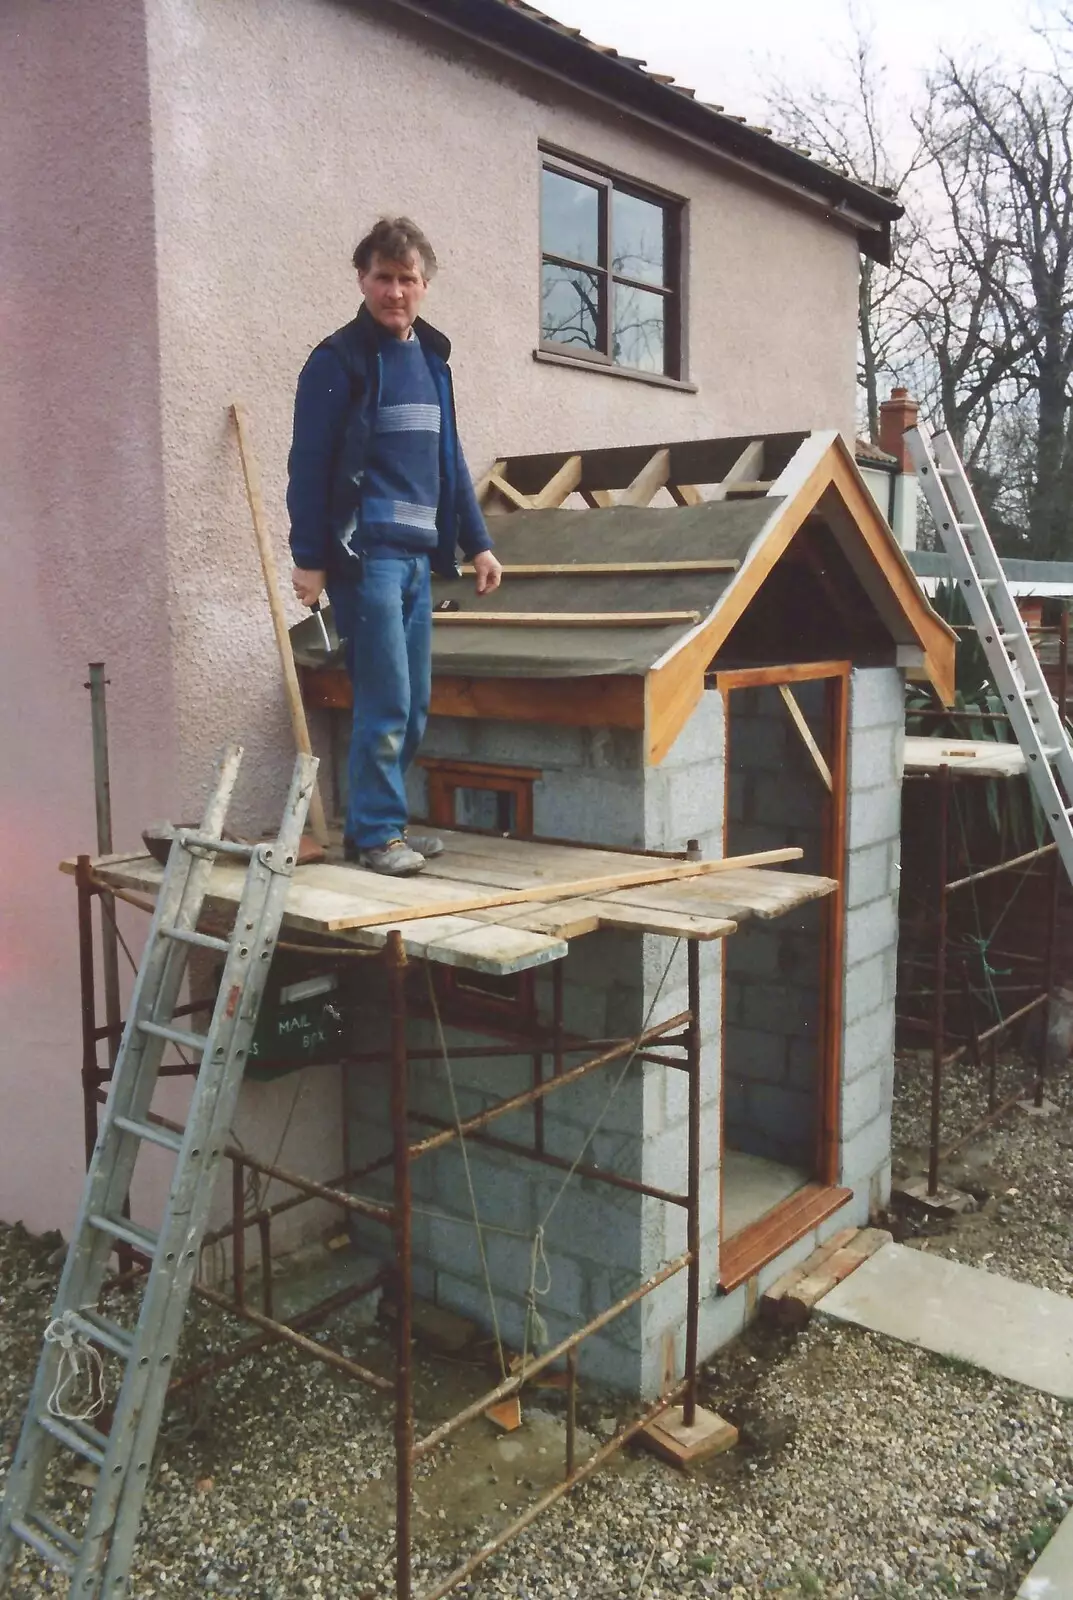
91	1072
511	1385
593	1464
689	1407
548	1160
280	1330
403	1229
1003	866
571	1412
938	1042
516	1102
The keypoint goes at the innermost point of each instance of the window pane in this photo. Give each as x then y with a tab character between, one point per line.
637	238
569	306
570	218
639	335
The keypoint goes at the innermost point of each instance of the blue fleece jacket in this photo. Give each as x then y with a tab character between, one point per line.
336	415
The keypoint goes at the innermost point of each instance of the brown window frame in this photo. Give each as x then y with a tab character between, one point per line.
607	181
461	994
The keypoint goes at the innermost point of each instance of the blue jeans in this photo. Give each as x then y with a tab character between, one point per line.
385	621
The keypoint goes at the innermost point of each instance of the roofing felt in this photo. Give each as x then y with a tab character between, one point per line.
715	530
522	30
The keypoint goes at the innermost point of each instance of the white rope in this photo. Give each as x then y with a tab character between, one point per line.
469	1175
538	1256
78	1393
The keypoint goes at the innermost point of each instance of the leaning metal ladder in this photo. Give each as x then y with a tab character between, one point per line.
97	1560
1014	664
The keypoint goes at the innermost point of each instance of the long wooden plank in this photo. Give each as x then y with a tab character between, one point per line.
617	702
291	691
593	569
734	895
585	887
444	937
564	619
797	717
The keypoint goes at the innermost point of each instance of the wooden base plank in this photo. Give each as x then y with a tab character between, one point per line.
742	1256
669	1438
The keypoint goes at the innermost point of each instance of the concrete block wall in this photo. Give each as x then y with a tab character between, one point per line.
598	1241
877	731
774	969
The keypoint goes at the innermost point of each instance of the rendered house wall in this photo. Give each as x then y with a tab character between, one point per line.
193	243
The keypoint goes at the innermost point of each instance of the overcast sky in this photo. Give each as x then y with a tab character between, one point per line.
721	48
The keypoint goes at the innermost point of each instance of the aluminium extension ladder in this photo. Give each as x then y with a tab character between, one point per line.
1014	664
97	1559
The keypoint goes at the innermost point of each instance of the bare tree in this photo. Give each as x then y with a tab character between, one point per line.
853	127
994	284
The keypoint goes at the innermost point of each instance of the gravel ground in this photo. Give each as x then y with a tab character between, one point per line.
1020	1174
866	1468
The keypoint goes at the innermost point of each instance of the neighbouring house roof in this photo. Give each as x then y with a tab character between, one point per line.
870	455
523	31
1042	579
612	616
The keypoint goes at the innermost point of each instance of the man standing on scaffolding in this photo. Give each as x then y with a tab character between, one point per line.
379	496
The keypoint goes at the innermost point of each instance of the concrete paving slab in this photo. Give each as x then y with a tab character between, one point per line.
1051	1577
1011	1329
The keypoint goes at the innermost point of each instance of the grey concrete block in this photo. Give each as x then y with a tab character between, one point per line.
874	757
877	695
871	929
755	1057
868	1042
865	987
701	740
874	815
753	952
862	1101
782	1010
865	1152
870	874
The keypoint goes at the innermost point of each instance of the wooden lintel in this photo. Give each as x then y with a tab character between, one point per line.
797	717
611	702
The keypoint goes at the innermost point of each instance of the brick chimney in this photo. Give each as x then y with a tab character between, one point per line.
895	416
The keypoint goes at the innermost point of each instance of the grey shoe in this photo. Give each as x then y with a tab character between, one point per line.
426	844
394	859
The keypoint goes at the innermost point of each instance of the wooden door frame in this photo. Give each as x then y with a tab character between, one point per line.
764	1239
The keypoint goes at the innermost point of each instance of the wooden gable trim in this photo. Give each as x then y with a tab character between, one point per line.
676	682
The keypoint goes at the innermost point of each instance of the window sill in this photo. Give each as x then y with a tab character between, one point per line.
579	364
742	1256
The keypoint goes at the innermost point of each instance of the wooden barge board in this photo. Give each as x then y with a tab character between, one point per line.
328	900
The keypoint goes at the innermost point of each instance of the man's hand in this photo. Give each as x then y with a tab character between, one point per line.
308	584
489	572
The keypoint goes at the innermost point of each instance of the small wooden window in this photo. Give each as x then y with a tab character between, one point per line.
610	288
472	794
487	799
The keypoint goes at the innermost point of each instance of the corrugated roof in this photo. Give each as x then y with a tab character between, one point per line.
523	30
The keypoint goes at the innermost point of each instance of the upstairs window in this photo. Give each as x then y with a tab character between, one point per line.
609	286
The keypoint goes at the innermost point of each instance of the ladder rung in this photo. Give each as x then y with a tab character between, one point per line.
151	1131
121	1228
58	1535
180	1036
969	527
1051	750
44	1547
987	583
203	941
223	847
77	1437
104	1331
1009	638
